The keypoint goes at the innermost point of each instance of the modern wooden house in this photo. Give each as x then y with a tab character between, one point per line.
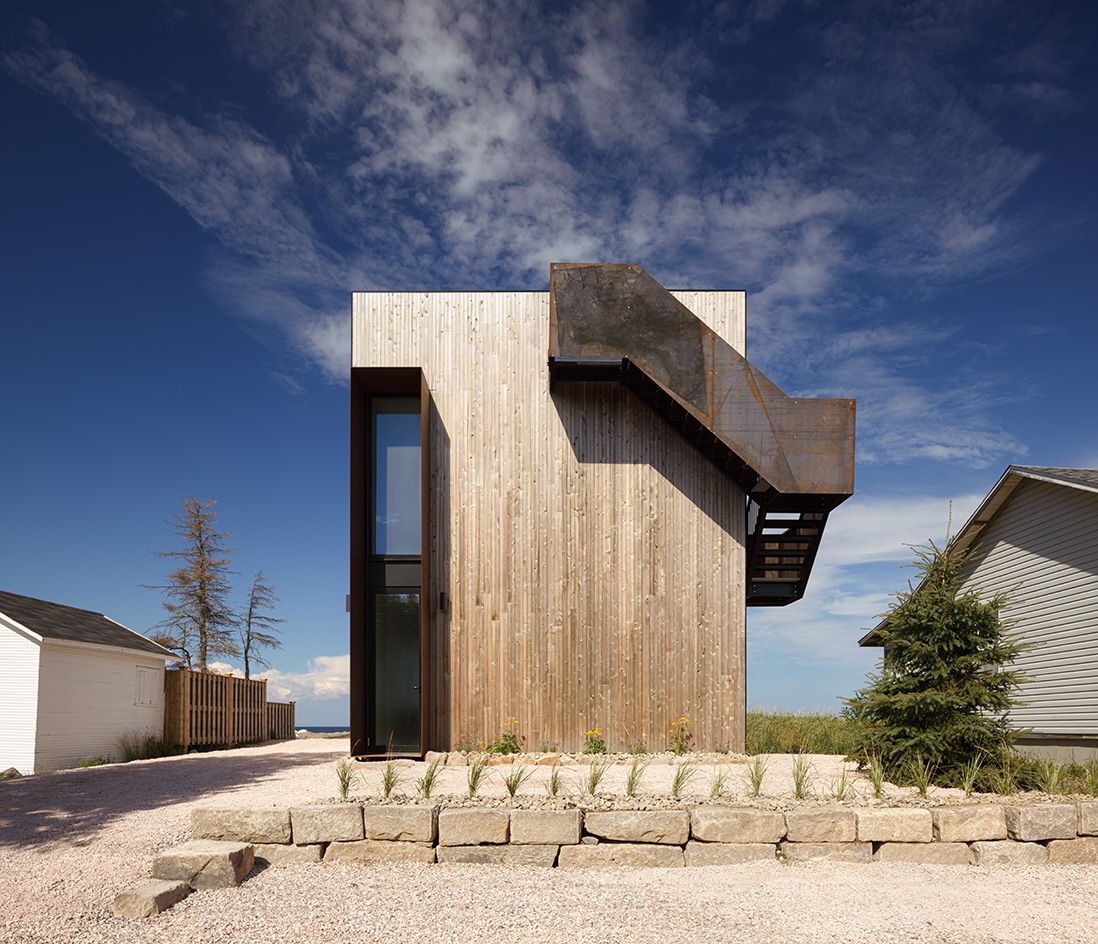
561	504
72	684
1035	538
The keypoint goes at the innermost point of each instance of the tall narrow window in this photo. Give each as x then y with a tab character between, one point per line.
390	609
396	477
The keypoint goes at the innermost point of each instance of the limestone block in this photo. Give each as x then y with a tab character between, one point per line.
826	825
149	898
371	851
1008	852
254	825
336	822
645	826
400	823
546	827
895	826
924	853
205	863
969	823
832	851
723	824
1082	851
1088	819
616	854
1048	821
279	854
537	855
729	853
461	827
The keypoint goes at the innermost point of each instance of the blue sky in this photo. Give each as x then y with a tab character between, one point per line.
190	193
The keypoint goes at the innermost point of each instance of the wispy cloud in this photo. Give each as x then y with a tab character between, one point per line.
458	145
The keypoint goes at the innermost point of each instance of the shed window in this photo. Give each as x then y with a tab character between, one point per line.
147	680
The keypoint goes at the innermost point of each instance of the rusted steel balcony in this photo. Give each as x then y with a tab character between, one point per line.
793	456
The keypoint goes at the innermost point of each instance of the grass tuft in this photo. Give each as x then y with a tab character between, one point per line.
475	778
920	773
802	775
345	775
756	772
595	773
876	775
684	773
516	778
718	786
841	787
970	774
552	785
1050	777
425	785
633	778
390	778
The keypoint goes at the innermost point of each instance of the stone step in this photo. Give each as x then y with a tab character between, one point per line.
206	863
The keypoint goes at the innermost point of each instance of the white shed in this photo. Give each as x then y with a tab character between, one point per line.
73	683
1035	538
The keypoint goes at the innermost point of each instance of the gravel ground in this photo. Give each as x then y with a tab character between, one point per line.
69	841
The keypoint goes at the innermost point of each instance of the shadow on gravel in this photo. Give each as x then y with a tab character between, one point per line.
76	803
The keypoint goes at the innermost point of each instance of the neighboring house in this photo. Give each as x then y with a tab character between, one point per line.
1035	538
72	684
561	504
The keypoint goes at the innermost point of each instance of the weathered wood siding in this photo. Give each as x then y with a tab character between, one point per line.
594	559
1042	549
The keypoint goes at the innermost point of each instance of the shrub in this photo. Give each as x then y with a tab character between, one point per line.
637	749
509	740
593	742
93	762
945	688
144	747
680	736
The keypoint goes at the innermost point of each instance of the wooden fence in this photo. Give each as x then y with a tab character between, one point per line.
206	710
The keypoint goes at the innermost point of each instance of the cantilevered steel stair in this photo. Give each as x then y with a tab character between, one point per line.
793	457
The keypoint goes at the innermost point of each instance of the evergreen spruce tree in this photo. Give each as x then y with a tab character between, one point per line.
942	696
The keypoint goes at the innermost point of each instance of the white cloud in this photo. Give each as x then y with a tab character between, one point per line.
324	677
461	145
861	564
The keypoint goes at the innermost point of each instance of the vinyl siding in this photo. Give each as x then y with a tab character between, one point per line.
86	703
18	699
1042	549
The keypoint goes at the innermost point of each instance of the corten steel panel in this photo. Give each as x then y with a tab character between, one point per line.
367	382
798	448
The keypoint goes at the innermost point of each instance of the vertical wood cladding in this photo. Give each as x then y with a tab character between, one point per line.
592	558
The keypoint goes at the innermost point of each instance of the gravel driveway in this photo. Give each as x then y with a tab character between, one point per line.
69	841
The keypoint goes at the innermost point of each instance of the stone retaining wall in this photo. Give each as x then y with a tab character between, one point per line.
1055	833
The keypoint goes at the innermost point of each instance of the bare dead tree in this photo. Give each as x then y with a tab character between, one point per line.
257	625
200	621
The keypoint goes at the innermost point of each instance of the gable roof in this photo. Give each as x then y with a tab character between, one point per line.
69	624
1015	475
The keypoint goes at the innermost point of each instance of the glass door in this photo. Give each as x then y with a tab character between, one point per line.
393	647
